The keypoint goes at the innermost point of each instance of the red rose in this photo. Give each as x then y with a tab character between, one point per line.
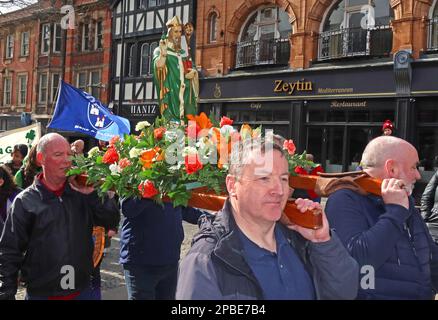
110	156
289	146
192	163
147	189
114	140
158	133
300	170
226	121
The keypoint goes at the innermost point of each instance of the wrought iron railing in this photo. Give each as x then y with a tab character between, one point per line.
262	52
432	35
351	42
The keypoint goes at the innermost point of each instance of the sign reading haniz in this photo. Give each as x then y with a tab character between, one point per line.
139	110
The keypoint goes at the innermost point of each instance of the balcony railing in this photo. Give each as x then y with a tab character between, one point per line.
351	42
432	36
262	52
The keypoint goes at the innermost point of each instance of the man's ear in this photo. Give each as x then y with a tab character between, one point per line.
1	182
230	181
39	158
391	168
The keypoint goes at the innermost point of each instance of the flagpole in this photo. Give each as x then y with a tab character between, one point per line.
56	103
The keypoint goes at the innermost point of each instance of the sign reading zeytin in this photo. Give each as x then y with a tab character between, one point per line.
290	88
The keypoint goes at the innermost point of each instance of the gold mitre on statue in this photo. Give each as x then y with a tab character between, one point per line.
175	21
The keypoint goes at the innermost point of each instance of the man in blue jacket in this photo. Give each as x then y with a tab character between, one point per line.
386	235
245	253
150	246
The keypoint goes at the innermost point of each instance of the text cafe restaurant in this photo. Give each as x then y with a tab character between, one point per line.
334	112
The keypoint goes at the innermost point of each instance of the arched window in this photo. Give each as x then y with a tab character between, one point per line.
144	65
153	46
212	28
264	38
356	28
130	60
432	44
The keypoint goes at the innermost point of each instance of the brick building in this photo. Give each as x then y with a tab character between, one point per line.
36	53
327	73
80	56
18	53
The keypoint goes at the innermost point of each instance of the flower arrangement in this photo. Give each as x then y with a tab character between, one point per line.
168	159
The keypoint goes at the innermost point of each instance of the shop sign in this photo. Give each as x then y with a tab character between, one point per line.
140	110
255	106
290	88
335	104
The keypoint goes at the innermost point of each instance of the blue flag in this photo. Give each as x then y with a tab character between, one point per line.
76	110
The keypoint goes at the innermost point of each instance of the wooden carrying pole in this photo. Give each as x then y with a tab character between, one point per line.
201	198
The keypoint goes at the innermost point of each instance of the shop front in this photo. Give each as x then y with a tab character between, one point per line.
334	112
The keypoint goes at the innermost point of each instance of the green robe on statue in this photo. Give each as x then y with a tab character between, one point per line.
175	92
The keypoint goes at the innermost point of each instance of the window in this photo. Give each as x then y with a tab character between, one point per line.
24	51
82	81
264	38
144	65
42	94
57	38
22	89
130	61
9	54
212	28
153	46
89	81
142	4
433	30
7	83
98	36
155	3
85	37
345	35
55	85
45	38
94	84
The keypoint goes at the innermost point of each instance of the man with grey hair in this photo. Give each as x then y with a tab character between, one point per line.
386	234
48	233
245	253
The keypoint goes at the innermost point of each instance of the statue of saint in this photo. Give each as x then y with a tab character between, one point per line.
175	77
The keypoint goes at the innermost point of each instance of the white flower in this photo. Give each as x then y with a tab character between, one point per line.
205	147
135	152
141	125
93	151
226	130
115	169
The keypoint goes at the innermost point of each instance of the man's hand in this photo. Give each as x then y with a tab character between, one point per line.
394	192
76	186
319	235
191	74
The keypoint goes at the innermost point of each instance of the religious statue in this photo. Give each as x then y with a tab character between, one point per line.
175	76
